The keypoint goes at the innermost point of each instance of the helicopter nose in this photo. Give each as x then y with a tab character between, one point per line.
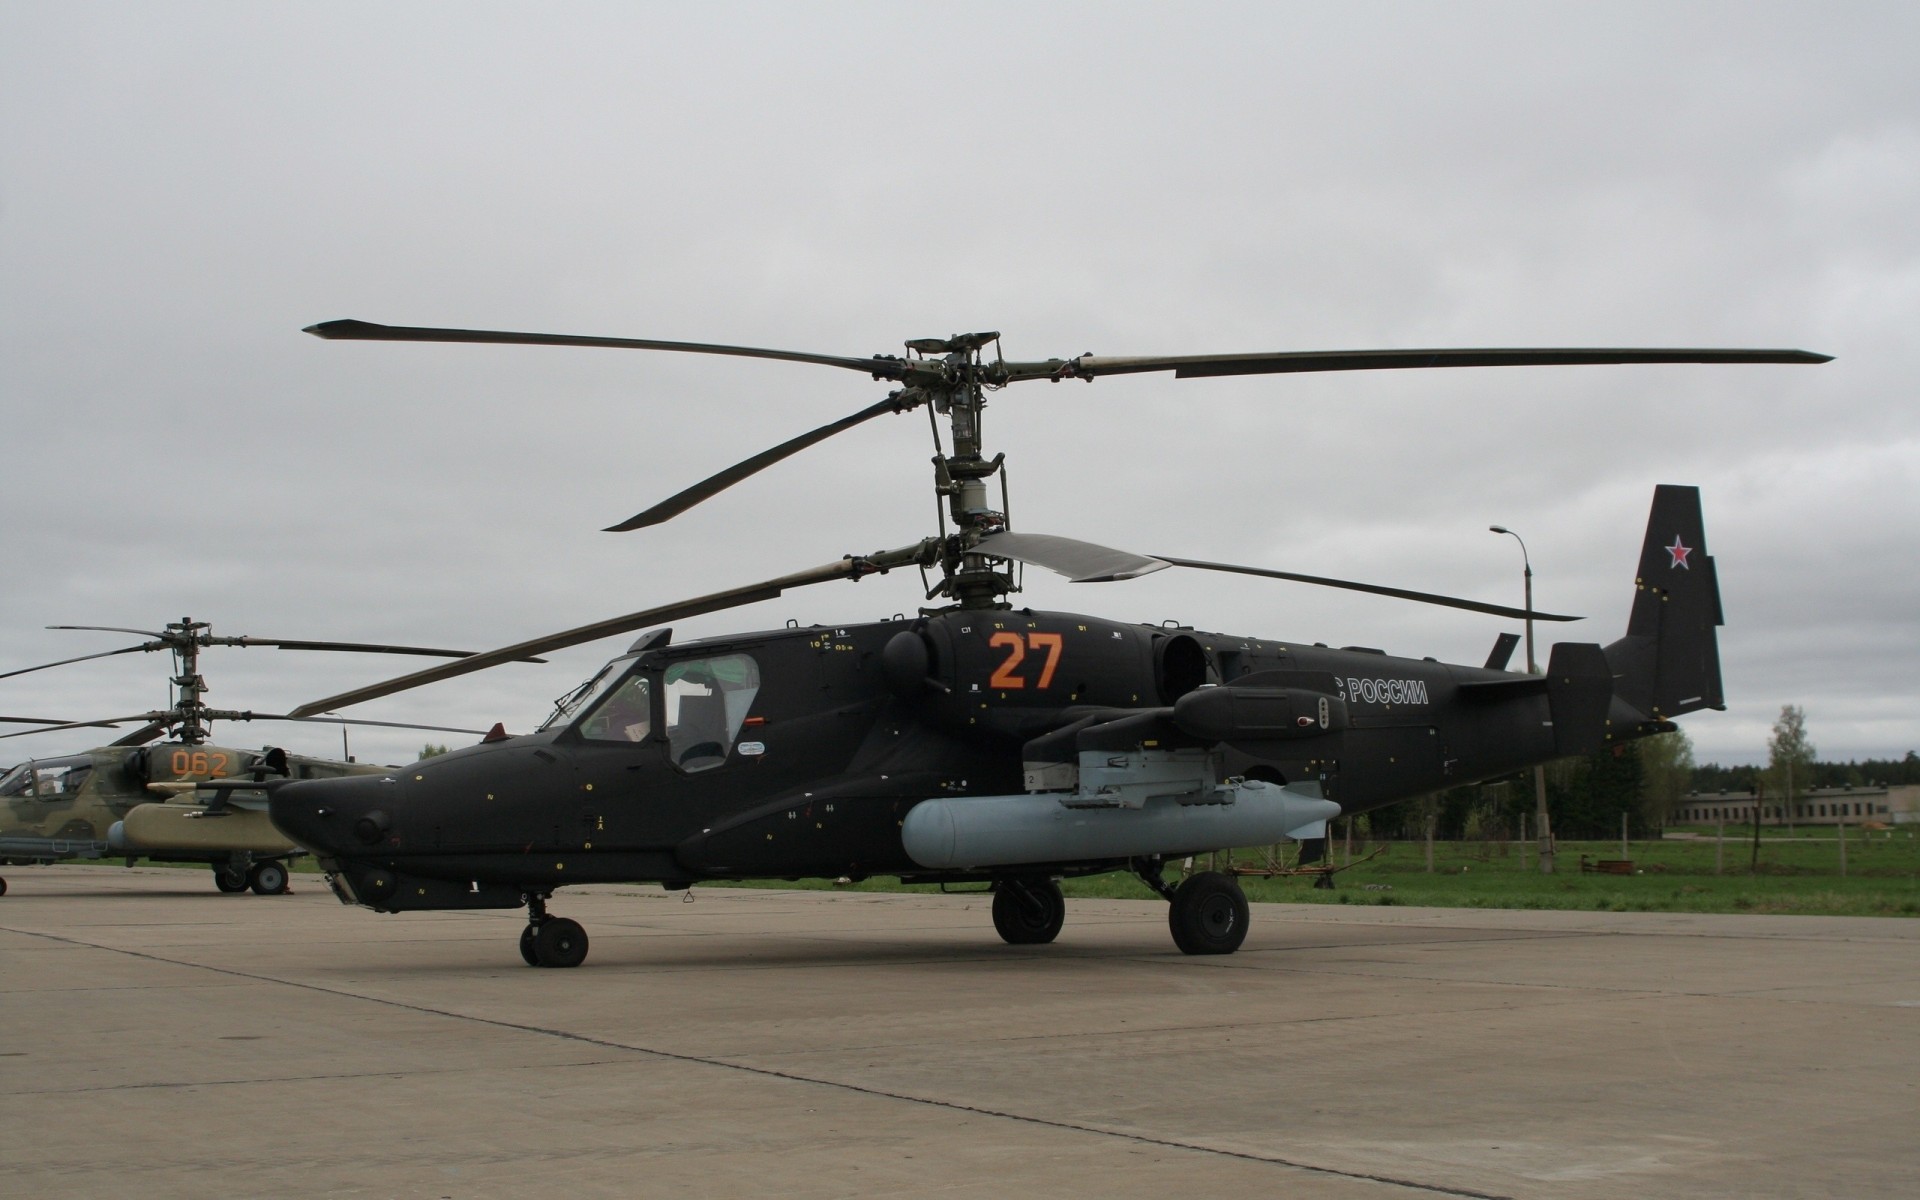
336	817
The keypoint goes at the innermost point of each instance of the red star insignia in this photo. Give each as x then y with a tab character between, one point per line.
1679	552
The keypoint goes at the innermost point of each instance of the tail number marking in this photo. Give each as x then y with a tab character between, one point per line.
1006	676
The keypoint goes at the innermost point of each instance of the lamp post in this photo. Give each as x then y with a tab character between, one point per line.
1539	772
345	753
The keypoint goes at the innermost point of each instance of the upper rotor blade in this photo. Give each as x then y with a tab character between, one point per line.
846	568
1497	610
1191	366
674	505
52	721
83	658
1080	562
887	368
164	637
165	640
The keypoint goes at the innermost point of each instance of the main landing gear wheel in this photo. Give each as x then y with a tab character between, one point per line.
267	878
1208	914
1028	910
526	947
229	878
559	942
3	887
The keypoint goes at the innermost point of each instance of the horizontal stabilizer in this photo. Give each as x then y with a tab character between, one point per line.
1504	689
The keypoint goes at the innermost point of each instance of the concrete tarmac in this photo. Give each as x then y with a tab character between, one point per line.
160	1039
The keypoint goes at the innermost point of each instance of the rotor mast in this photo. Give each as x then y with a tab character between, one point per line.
971	579
184	638
190	711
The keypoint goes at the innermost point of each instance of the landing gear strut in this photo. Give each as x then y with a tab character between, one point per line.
1028	910
1207	913
551	941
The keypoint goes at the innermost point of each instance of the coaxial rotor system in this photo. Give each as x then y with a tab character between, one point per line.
952	376
973	552
187	718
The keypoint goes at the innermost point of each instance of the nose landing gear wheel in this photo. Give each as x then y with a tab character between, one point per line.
1208	914
267	879
526	946
229	878
1028	910
559	942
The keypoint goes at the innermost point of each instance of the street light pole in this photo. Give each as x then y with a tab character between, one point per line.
1539	772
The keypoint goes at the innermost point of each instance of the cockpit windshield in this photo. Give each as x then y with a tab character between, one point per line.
577	700
699	705
47	776
626	715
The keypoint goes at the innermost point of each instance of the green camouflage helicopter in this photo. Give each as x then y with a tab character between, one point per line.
135	798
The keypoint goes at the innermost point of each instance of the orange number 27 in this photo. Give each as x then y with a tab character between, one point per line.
1005	675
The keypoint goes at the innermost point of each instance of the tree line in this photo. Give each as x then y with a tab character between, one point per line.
1646	780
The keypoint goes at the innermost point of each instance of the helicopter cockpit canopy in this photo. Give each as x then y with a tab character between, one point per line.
701	703
48	776
706	705
626	715
581	697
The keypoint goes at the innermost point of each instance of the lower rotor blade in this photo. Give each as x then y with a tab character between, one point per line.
1497	610
357	648
1080	562
108	722
674	505
846	568
142	735
254	716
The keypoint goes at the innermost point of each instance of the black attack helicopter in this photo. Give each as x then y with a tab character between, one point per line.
136	798
978	742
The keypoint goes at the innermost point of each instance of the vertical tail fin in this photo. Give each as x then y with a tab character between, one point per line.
1669	662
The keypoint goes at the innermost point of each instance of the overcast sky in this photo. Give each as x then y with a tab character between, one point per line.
184	186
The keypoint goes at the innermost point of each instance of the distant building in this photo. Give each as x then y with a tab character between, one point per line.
1898	804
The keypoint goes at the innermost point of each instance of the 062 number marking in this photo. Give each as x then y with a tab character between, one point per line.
212	764
1006	676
